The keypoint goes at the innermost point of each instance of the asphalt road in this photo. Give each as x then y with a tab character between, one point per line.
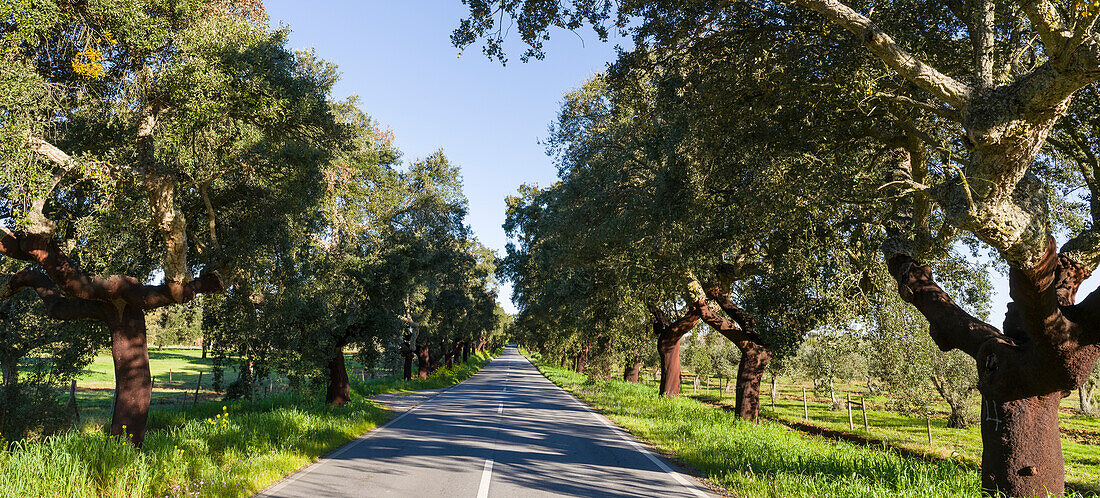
505	432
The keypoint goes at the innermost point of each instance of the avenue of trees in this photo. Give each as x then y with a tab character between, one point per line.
784	170
164	155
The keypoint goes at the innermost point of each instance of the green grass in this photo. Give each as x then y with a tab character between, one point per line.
209	449
900	430
175	374
765	459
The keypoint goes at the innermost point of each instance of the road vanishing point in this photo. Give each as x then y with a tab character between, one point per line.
505	432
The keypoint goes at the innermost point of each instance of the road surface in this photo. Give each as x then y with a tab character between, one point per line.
505	432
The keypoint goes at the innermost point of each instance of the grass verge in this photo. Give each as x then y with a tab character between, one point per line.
209	449
909	433
765	459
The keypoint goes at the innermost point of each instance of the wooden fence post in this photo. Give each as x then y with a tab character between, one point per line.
805	406
851	424
863	405
197	385
72	400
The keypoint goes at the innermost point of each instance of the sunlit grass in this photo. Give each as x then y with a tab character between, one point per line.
209	449
765	459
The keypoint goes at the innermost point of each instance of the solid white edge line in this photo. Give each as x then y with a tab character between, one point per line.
343	449
625	436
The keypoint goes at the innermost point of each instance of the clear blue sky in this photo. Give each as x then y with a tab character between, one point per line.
397	55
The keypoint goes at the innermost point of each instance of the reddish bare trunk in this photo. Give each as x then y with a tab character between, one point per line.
119	301
1048	347
1022	447
452	356
423	360
669	334
668	348
633	371
133	382
581	361
740	328
339	388
750	371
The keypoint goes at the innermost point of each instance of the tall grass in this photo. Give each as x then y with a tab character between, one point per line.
764	459
210	449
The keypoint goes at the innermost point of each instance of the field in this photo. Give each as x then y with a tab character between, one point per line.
175	376
205	449
1080	440
765	459
1081	433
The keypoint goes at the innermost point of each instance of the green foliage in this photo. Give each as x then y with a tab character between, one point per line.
175	326
38	357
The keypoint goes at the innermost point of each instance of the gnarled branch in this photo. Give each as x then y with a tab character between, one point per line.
57	305
882	45
1045	19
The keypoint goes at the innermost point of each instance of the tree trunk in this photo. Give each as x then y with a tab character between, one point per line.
339	388
407	355
133	381
775	385
582	360
204	347
1047	349
119	301
957	419
754	361
834	401
1022	447
8	371
633	370
423	360
668	349
741	330
668	335
465	352
1084	394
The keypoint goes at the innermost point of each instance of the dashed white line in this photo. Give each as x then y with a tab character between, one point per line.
500	408
486	476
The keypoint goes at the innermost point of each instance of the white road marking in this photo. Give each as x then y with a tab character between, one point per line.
641	449
500	409
486	476
344	449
